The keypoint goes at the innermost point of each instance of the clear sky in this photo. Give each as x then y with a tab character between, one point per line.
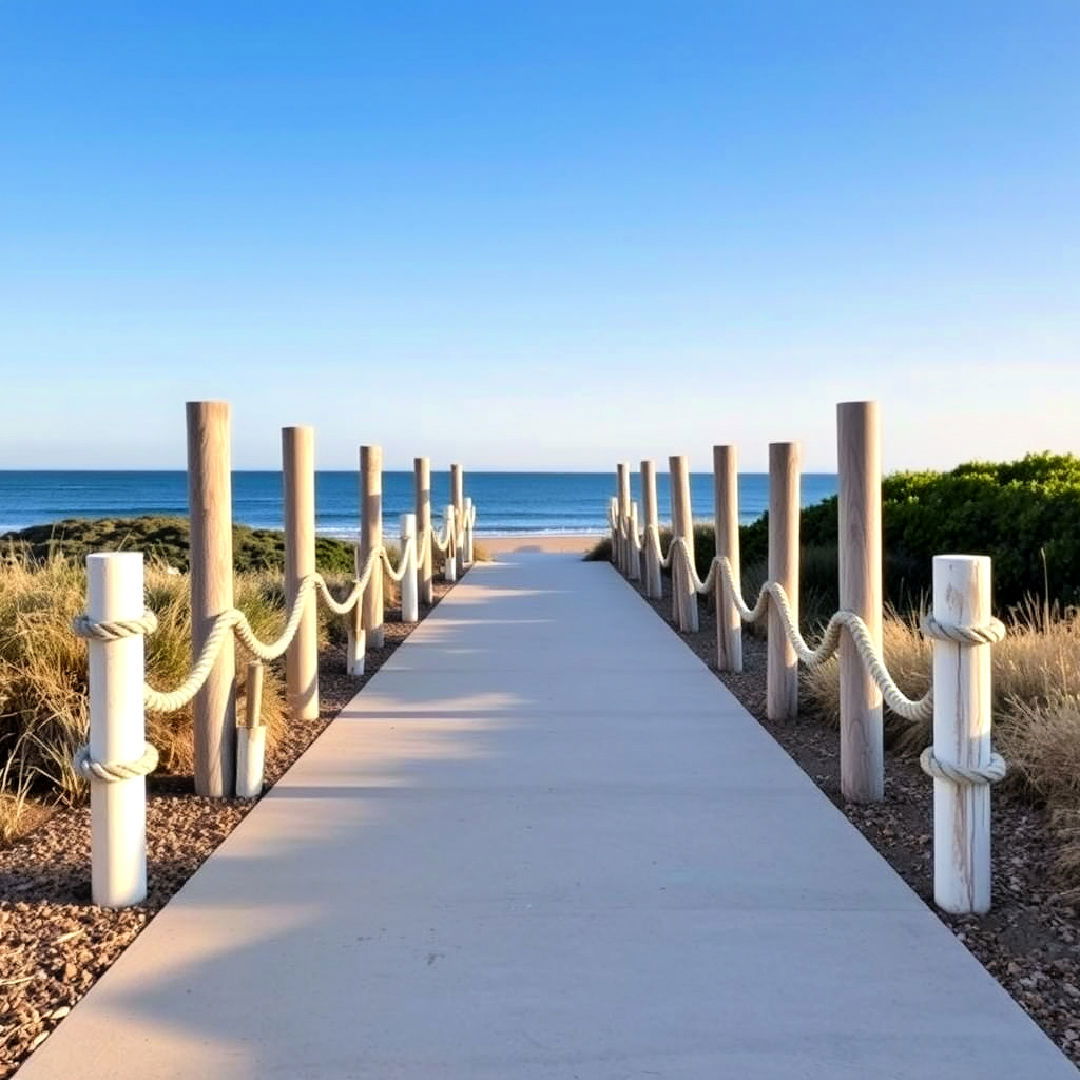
538	234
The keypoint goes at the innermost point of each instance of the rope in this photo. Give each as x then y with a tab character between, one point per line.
403	565
114	629
115	771
990	773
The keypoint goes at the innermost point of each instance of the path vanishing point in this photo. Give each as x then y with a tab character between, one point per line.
546	842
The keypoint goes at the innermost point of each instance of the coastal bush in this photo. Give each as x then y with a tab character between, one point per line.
165	539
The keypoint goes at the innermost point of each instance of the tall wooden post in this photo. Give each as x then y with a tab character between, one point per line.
114	591
457	497
633	569
210	505
371	538
450	563
651	570
302	656
858	458
422	482
622	493
726	527
782	676
682	524
961	585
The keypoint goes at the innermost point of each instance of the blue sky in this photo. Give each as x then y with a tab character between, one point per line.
538	234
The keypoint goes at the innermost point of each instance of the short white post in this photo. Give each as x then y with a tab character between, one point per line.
682	524
114	590
782	665
961	597
653	585
858	460
450	562
622	490
410	592
468	532
633	551
726	528
251	738
356	643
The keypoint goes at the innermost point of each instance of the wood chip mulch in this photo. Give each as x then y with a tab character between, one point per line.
1029	939
54	944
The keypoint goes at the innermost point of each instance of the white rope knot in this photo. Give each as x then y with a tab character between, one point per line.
114	629
990	773
113	772
988	633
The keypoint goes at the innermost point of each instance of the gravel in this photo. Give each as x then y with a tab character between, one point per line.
54	944
1029	939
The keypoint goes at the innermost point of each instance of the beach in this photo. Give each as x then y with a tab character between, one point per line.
549	543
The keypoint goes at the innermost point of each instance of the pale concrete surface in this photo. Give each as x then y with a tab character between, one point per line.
545	842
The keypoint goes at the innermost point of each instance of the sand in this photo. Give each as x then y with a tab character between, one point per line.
545	542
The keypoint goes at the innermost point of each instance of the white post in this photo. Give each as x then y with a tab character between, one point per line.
961	736
468	532
613	506
371	538
410	593
653	584
633	552
356	643
251	738
782	665
457	497
450	562
726	529
682	524
622	486
114	590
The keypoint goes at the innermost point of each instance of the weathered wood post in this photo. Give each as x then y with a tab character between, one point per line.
682	524
653	586
858	458
114	591
457	497
633	552
469	549
302	656
961	597
422	482
210	505
726	528
450	563
410	594
613	510
782	676
622	493
371	538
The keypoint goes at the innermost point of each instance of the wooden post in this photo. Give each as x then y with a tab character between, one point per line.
622	490
251	738
114	590
422	481
450	562
356	642
469	550
961	597
682	524
613	507
371	538
457	497
726	527
653	587
410	595
633	552
782	677
302	656
858	457
210	504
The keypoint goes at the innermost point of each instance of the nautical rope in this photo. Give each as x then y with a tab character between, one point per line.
403	563
990	773
113	772
114	629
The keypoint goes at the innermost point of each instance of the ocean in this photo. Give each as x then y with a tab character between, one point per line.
508	503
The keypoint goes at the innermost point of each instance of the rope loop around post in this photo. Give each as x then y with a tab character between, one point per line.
989	633
115	629
993	771
113	772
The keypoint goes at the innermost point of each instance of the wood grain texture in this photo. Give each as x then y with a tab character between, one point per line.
726	526
650	509
782	677
371	538
210	502
302	656
682	522
858	457
422	485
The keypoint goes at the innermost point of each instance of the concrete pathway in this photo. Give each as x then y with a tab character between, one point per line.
545	842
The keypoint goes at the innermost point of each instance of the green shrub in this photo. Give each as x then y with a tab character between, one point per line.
165	539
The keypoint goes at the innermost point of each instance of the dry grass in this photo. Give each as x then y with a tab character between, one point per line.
43	671
1036	710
